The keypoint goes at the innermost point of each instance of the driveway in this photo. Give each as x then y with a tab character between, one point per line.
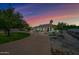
36	44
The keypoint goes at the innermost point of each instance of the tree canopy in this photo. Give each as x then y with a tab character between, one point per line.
65	26
10	19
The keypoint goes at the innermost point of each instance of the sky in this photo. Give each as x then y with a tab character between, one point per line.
36	14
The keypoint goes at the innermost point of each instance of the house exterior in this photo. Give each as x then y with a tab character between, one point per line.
44	27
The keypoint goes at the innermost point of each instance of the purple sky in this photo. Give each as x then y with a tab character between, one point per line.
36	14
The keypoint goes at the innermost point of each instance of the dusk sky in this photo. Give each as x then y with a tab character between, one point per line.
37	14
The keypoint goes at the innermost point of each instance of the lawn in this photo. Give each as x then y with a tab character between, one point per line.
13	37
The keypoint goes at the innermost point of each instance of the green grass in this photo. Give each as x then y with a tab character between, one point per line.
13	37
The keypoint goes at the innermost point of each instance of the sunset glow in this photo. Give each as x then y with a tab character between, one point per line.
37	14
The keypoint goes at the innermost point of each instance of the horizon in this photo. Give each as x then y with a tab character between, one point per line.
36	14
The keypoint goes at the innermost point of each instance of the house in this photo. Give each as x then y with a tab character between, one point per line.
44	27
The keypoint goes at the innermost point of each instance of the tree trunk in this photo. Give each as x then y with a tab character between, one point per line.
7	32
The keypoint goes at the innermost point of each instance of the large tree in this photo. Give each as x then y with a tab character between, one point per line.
61	25
10	19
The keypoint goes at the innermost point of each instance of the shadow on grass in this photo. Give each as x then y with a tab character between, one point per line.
13	37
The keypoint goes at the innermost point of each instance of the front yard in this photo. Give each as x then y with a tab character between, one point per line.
13	37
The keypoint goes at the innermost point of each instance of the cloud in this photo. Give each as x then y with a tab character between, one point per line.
37	20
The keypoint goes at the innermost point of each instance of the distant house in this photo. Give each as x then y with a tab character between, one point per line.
44	27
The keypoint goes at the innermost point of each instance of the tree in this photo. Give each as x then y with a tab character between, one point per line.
61	26
10	19
26	26
64	26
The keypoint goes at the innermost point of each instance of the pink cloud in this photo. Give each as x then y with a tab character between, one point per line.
37	20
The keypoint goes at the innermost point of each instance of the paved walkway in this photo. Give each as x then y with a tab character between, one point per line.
36	44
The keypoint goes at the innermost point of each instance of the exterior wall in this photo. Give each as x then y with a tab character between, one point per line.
45	27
